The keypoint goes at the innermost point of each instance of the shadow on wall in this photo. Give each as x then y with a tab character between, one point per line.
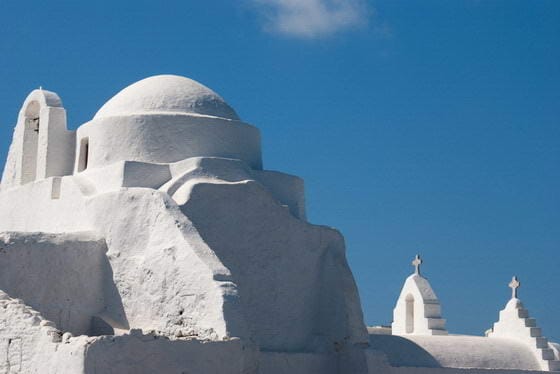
278	263
136	354
65	277
113	315
403	352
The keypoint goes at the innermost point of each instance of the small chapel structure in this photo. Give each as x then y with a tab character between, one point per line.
418	338
151	239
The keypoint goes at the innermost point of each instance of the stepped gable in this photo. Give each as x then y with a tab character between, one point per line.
515	323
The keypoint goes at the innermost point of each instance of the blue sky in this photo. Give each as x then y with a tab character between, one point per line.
418	126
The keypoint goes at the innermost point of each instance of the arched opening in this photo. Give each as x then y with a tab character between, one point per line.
409	326
30	142
83	157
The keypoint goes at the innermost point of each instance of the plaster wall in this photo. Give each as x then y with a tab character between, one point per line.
229	241
167	277
94	200
168	138
54	205
287	189
30	344
60	276
148	354
56	144
122	174
134	354
296	289
297	363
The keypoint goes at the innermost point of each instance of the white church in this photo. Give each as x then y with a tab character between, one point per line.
152	240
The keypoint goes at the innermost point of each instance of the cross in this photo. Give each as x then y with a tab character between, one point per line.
416	263
514	285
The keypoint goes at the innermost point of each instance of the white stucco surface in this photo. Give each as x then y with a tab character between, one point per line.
168	94
120	355
455	351
516	324
61	276
29	343
151	240
167	138
42	146
418	311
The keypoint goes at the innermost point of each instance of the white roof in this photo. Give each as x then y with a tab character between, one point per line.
455	351
163	94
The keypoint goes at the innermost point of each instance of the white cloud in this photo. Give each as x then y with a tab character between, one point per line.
312	18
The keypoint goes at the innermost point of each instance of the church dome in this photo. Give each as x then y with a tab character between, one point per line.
167	94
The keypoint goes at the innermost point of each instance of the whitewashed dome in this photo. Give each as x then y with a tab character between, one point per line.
162	94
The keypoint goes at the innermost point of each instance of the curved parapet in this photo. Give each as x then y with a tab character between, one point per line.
287	189
165	138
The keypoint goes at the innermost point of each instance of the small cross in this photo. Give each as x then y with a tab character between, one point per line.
41	88
416	263
514	285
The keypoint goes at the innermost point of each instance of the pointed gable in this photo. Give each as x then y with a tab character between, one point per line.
418	311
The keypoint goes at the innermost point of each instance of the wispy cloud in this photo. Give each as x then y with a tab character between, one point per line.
311	19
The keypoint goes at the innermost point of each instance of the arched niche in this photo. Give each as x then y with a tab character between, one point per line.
30	149
409	322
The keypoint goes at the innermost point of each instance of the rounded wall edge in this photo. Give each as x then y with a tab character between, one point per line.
288	189
166	138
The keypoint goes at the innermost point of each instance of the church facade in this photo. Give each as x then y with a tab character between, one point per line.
152	240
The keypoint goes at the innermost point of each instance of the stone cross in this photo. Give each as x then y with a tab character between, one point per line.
514	285
416	263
